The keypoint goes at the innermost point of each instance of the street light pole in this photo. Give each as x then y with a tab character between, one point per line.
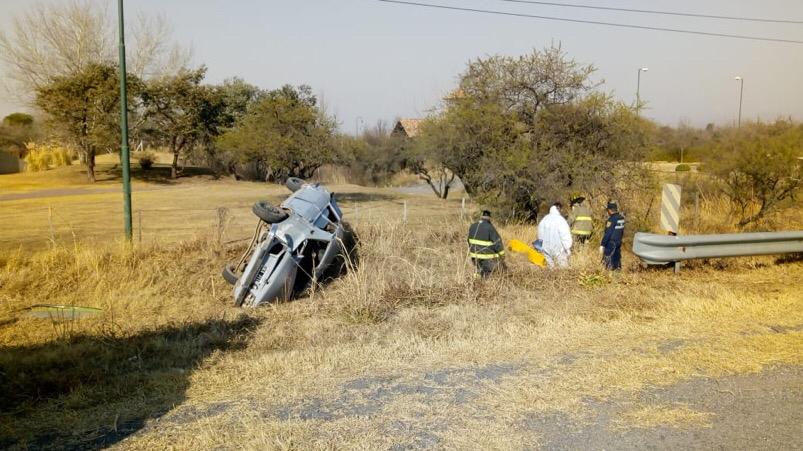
124	158
741	94
357	121
638	89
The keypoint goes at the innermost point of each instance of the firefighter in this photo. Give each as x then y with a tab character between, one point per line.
580	219
611	246
485	245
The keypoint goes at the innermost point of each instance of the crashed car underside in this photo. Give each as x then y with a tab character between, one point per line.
299	243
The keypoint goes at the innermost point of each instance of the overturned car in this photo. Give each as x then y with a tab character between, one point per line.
301	242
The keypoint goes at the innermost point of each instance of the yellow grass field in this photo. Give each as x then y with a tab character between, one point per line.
406	351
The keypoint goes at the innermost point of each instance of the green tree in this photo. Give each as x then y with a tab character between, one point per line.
759	167
16	130
374	156
523	131
83	109
181	112
18	120
468	135
284	134
238	96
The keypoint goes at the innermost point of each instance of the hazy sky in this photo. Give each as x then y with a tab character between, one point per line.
381	61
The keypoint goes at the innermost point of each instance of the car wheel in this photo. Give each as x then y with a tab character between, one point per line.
294	183
269	213
228	274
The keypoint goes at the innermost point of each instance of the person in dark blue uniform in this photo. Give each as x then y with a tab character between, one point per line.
611	246
485	245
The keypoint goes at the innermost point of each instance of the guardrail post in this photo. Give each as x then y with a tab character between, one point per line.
404	217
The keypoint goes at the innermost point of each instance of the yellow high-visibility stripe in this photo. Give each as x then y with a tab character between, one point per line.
480	242
486	256
583	218
581	232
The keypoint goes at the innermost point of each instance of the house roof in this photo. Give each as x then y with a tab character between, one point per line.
409	127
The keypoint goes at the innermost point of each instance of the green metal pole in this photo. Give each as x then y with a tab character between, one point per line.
124	158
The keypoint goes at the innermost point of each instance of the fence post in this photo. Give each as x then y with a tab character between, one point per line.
222	214
139	225
404	217
463	208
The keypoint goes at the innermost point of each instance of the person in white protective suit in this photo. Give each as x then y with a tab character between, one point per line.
556	237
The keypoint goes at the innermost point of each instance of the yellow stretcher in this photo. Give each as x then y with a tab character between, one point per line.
533	255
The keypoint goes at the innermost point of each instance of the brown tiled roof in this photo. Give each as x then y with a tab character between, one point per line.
409	127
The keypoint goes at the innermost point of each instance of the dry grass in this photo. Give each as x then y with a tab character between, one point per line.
407	347
673	416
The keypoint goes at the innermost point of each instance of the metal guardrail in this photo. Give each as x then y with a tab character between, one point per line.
660	249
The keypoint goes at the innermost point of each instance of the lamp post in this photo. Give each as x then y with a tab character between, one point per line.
124	159
741	93
638	89
357	122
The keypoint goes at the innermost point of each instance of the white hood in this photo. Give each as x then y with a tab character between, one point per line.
554	231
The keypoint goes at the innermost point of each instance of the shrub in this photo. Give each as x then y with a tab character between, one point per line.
42	156
32	161
146	160
758	167
67	157
683	167
45	159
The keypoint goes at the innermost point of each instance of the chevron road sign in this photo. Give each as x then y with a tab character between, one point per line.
670	208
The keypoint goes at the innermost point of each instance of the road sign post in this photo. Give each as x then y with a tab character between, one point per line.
670	209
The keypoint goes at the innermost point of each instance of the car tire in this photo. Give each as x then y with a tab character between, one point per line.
228	274
269	213
294	183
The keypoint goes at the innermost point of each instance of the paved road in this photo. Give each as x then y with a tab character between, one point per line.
747	412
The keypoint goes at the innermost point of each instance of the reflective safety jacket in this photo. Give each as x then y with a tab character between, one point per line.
484	242
580	220
614	231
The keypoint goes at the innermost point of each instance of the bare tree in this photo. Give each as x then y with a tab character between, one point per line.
154	53
56	40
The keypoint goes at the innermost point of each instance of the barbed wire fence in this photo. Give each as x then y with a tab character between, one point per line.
228	224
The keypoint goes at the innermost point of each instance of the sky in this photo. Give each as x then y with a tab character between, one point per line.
373	61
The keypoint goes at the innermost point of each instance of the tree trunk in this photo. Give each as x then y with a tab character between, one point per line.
174	167
90	165
447	184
